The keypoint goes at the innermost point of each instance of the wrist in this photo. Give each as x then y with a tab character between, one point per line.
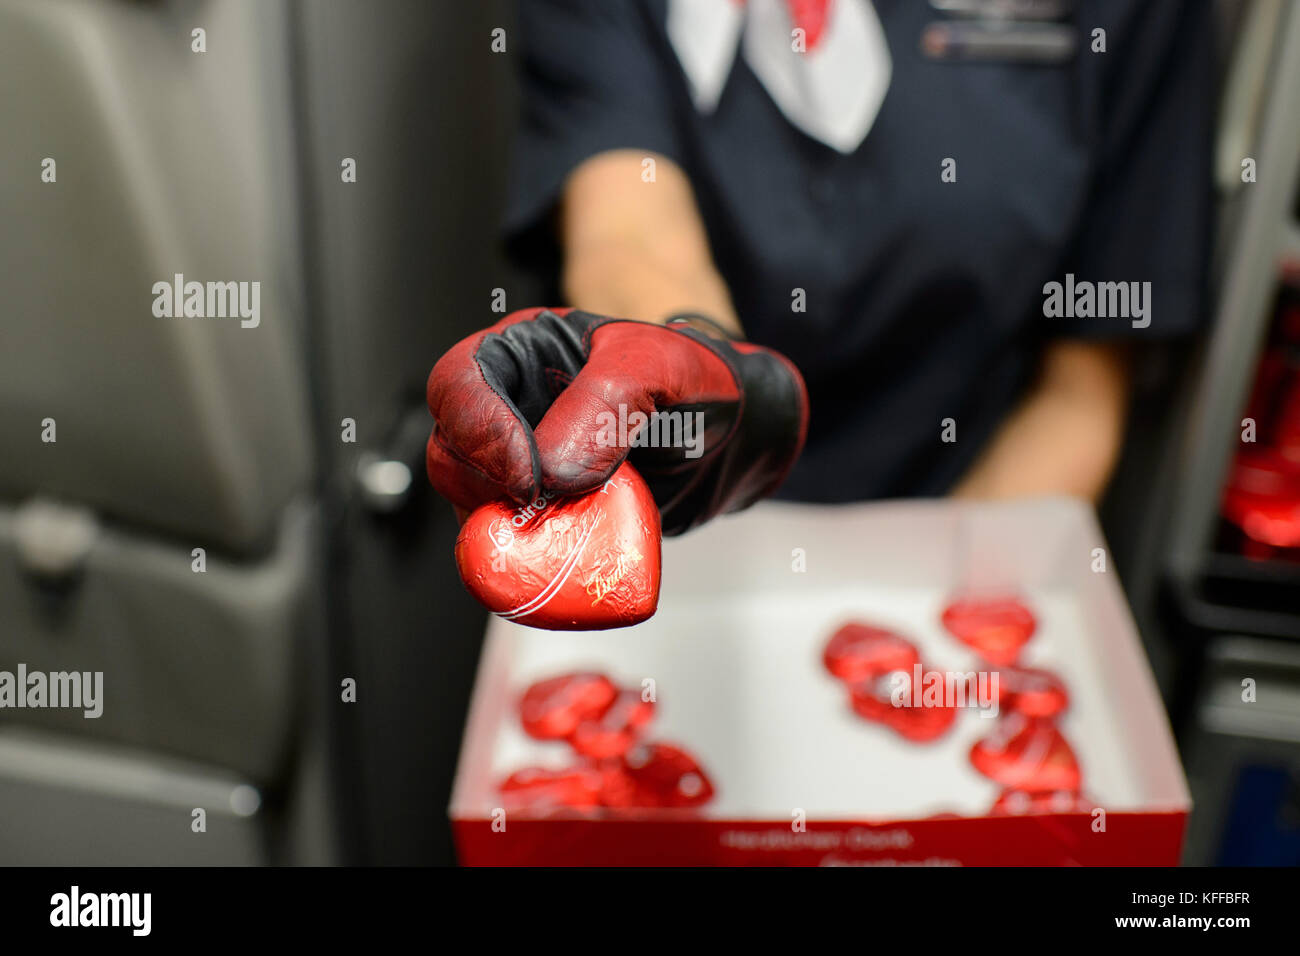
705	324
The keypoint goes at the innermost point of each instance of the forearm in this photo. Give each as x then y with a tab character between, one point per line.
1065	437
626	278
638	249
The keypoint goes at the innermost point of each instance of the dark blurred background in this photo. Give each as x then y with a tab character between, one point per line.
325	559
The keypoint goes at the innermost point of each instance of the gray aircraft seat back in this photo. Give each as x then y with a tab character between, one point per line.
195	427
171	434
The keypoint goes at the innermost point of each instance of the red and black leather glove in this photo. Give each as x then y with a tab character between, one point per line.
523	408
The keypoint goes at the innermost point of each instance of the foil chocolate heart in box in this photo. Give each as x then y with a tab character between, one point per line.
904	683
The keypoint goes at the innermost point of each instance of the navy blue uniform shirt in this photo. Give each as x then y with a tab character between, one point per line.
924	298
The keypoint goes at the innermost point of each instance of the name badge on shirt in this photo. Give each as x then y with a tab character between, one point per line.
1001	31
999	41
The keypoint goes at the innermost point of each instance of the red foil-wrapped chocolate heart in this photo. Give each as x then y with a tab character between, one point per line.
858	652
874	700
612	733
995	628
666	776
553	709
1019	802
1030	755
618	791
1031	692
582	563
540	788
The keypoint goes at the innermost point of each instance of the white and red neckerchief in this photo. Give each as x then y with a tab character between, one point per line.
832	90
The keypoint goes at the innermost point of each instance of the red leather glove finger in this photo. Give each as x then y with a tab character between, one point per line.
481	447
632	367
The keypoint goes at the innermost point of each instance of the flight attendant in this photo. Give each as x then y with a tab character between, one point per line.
834	224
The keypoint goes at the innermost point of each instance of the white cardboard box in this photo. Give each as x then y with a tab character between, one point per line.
735	656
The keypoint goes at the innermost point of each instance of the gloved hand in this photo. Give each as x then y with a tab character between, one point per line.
531	406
